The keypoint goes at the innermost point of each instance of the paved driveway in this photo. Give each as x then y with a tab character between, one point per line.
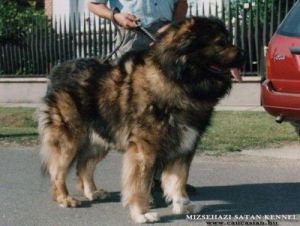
234	184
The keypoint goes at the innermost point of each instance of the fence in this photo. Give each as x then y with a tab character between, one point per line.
55	41
49	42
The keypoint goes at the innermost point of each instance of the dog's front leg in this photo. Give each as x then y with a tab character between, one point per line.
136	181
174	178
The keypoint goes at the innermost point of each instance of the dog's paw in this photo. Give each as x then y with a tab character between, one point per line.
99	194
185	206
68	201
149	217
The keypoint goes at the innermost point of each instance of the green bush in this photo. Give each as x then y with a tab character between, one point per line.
16	19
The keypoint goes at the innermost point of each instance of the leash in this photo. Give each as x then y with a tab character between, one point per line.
145	31
109	56
139	28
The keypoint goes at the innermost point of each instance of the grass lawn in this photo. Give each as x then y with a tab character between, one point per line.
236	131
229	131
17	126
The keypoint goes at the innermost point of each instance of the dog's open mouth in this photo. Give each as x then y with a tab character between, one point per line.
234	72
216	69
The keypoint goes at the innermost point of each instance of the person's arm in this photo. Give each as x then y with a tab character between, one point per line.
125	20
180	10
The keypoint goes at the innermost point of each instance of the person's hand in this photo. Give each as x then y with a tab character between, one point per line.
125	20
235	72
163	28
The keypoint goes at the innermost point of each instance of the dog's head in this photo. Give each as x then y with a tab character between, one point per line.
196	48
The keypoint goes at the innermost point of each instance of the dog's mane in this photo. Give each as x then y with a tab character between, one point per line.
180	63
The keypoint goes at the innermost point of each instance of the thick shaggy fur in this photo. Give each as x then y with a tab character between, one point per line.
153	106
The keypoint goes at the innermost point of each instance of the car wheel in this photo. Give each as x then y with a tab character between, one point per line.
296	125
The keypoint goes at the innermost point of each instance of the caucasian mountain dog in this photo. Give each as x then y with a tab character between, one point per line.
153	106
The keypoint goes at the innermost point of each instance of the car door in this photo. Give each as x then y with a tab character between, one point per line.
283	55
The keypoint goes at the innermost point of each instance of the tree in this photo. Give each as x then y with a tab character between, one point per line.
16	18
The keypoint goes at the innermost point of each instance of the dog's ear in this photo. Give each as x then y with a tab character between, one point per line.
171	50
184	36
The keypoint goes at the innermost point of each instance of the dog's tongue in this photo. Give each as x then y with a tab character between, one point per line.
235	72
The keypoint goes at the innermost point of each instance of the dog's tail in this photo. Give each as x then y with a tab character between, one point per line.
44	122
61	133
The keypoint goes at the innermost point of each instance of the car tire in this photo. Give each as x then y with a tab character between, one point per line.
296	125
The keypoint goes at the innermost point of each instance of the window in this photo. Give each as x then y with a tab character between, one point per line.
291	24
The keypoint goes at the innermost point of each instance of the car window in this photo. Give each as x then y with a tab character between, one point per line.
291	24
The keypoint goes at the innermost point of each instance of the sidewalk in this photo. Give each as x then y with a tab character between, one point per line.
23	92
244	96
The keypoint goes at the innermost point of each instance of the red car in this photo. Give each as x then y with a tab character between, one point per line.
280	92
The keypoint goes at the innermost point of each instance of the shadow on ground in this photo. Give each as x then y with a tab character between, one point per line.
247	199
273	198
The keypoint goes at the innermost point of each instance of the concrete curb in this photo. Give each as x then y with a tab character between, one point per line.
286	152
218	108
43	78
23	80
29	92
240	108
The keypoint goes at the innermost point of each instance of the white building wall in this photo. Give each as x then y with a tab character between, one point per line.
62	7
206	4
65	9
